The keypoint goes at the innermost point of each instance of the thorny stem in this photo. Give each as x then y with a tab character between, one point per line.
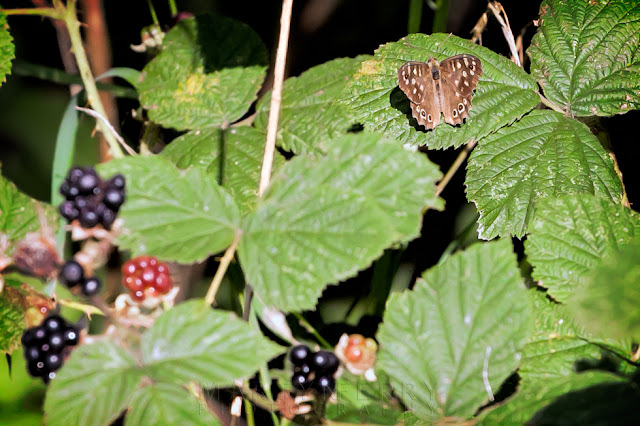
454	167
48	12
71	21
312	330
222	269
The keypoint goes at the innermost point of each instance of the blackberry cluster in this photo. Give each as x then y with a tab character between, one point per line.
72	274
146	276
45	346
90	199
313	370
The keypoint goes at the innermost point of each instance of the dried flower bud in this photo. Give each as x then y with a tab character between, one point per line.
358	354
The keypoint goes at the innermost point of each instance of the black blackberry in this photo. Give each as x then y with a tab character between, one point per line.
113	198
88	217
107	217
69	211
324	384
71	273
117	182
300	381
88	182
324	362
299	354
91	286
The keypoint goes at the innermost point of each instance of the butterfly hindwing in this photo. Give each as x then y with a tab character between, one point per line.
459	76
414	79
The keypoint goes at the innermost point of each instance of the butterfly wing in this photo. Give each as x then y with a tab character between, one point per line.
459	76
415	80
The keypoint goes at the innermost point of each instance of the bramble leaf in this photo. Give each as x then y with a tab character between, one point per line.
7	49
448	344
505	92
585	55
325	217
177	215
309	113
207	75
232	157
570	237
543	155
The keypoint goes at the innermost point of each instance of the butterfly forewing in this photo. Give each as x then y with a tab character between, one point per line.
440	88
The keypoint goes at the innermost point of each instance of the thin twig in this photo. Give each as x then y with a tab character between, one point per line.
47	12
276	97
454	167
94	114
210	298
498	12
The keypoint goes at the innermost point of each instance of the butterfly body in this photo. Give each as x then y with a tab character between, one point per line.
440	88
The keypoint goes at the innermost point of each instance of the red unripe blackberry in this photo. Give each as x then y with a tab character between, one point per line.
146	276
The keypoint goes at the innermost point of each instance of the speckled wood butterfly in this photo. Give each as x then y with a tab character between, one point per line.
440	88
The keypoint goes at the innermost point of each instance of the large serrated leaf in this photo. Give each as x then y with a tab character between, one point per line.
607	304
162	403
449	344
309	112
504	93
11	322
175	215
529	399
585	55
193	342
543	155
93	386
570	237
7	52
325	217
207	75
557	343
19	212
232	157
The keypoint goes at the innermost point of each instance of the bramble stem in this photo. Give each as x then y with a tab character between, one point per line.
546	102
73	26
48	12
210	298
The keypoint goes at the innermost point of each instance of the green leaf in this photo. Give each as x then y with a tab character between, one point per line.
570	237
543	155
93	386
325	217
600	404
529	399
19	214
585	55
207	75
193	342
7	49
448	344
176	215
557	343
232	157
505	92
608	303
309	113
11	323
162	403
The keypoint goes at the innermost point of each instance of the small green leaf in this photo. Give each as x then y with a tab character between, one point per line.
570	237
505	92
7	50
543	155
11	323
309	113
529	399
585	55
607	304
162	403
325	217
175	215
207	75
93	386
232	157
557	343
600	404
19	214
193	342
448	344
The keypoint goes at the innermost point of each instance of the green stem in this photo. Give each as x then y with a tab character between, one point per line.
152	10
248	409
173	8
73	26
312	330
546	102
415	16
441	16
48	12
